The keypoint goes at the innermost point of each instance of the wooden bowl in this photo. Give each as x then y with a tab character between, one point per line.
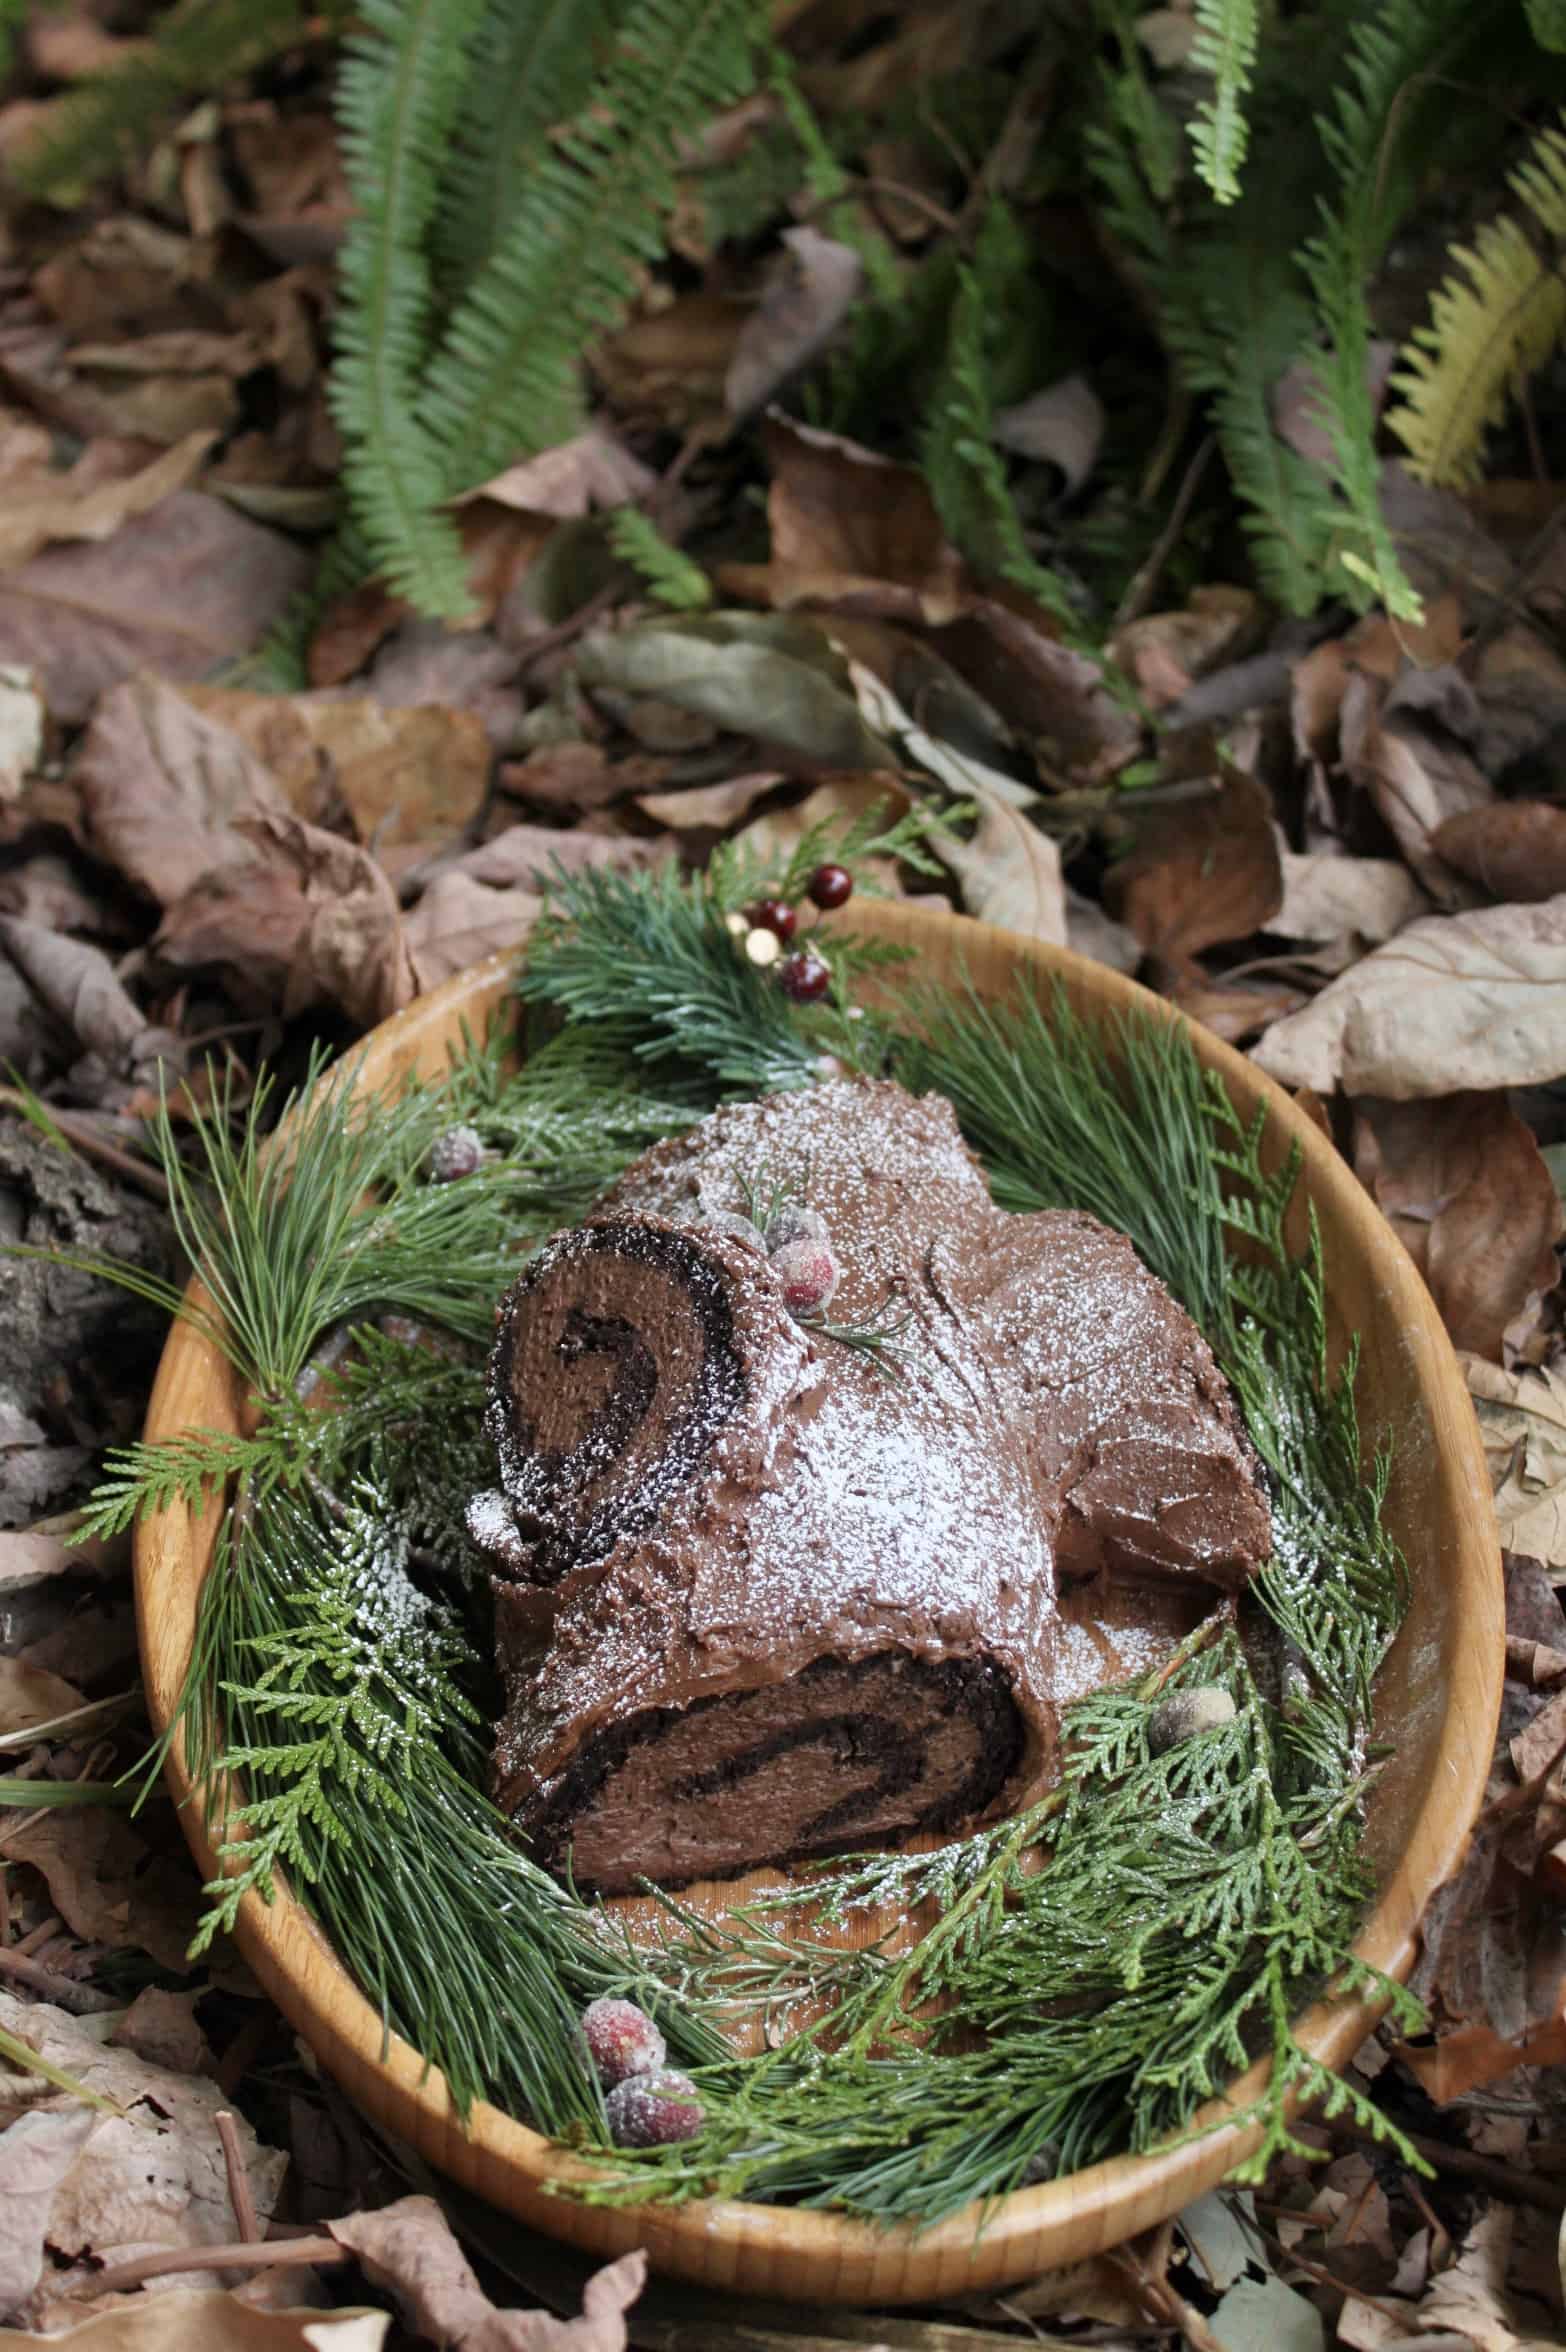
1438	1702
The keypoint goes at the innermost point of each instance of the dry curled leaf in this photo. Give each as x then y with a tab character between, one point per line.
1415	775
79	986
178	590
31	1694
206	2320
36	2153
807	295
1062	425
162	783
458	921
1454	1002
1201	873
1327	898
1522	1421
40	508
1468	1194
1514	849
593	469
107	1883
152	2176
408	2247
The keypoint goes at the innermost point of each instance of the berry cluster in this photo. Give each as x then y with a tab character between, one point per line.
648	2104
767	928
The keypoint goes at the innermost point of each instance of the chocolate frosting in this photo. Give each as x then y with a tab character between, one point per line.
791	1597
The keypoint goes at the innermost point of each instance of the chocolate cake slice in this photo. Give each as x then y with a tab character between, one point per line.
762	1593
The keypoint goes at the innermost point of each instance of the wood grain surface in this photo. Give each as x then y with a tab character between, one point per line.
1437	1706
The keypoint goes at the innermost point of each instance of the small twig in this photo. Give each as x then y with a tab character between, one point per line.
573	626
94	1147
1139	593
1501	2180
25	1946
239	2195
287	2254
82	2000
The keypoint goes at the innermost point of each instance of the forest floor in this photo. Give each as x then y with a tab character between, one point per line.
1337	844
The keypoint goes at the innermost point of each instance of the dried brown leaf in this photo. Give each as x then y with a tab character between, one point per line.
1467	1192
1063	425
36	2153
415	775
459	921
592	470
38	510
1514	849
715	806
572	778
30	1694
841	515
408	2247
163	781
300	914
1522	1421
1453	1003
1415	776
78	984
107	1883
204	2320
1166	651
807	295
1328	898
1202	873
528	854
150	2177
178	590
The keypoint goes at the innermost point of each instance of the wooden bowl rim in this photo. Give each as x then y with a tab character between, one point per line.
1086	2210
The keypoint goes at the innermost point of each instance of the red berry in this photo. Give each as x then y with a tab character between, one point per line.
804	976
809	1273
458	1152
622	2041
831	886
651	2110
776	915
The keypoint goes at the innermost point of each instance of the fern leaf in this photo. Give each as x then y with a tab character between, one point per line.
1227	32
505	381
534	65
1388	53
1489	328
196	49
665	572
398	94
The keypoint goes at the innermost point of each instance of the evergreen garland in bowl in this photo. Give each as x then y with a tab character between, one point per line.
959	2066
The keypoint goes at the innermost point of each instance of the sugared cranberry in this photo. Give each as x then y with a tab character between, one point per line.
622	2041
792	1221
830	886
456	1153
775	914
652	2110
804	976
809	1273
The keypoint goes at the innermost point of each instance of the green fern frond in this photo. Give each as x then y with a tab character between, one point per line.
828	182
505	382
1547	22
1388	53
1489	328
534	65
195	50
965	471
667	575
1227	32
398	96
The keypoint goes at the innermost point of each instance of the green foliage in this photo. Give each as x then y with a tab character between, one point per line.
965	470
399	92
668	575
1227	32
1490	327
1547	22
565	265
200	46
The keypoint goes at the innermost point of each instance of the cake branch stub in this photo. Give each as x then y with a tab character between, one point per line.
752	1551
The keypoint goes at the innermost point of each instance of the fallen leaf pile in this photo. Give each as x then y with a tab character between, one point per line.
1344	849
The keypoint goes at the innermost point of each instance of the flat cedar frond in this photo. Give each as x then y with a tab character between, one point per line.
1227	32
565	266
534	65
399	92
1496	319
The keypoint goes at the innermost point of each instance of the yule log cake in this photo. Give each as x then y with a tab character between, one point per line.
799	1440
